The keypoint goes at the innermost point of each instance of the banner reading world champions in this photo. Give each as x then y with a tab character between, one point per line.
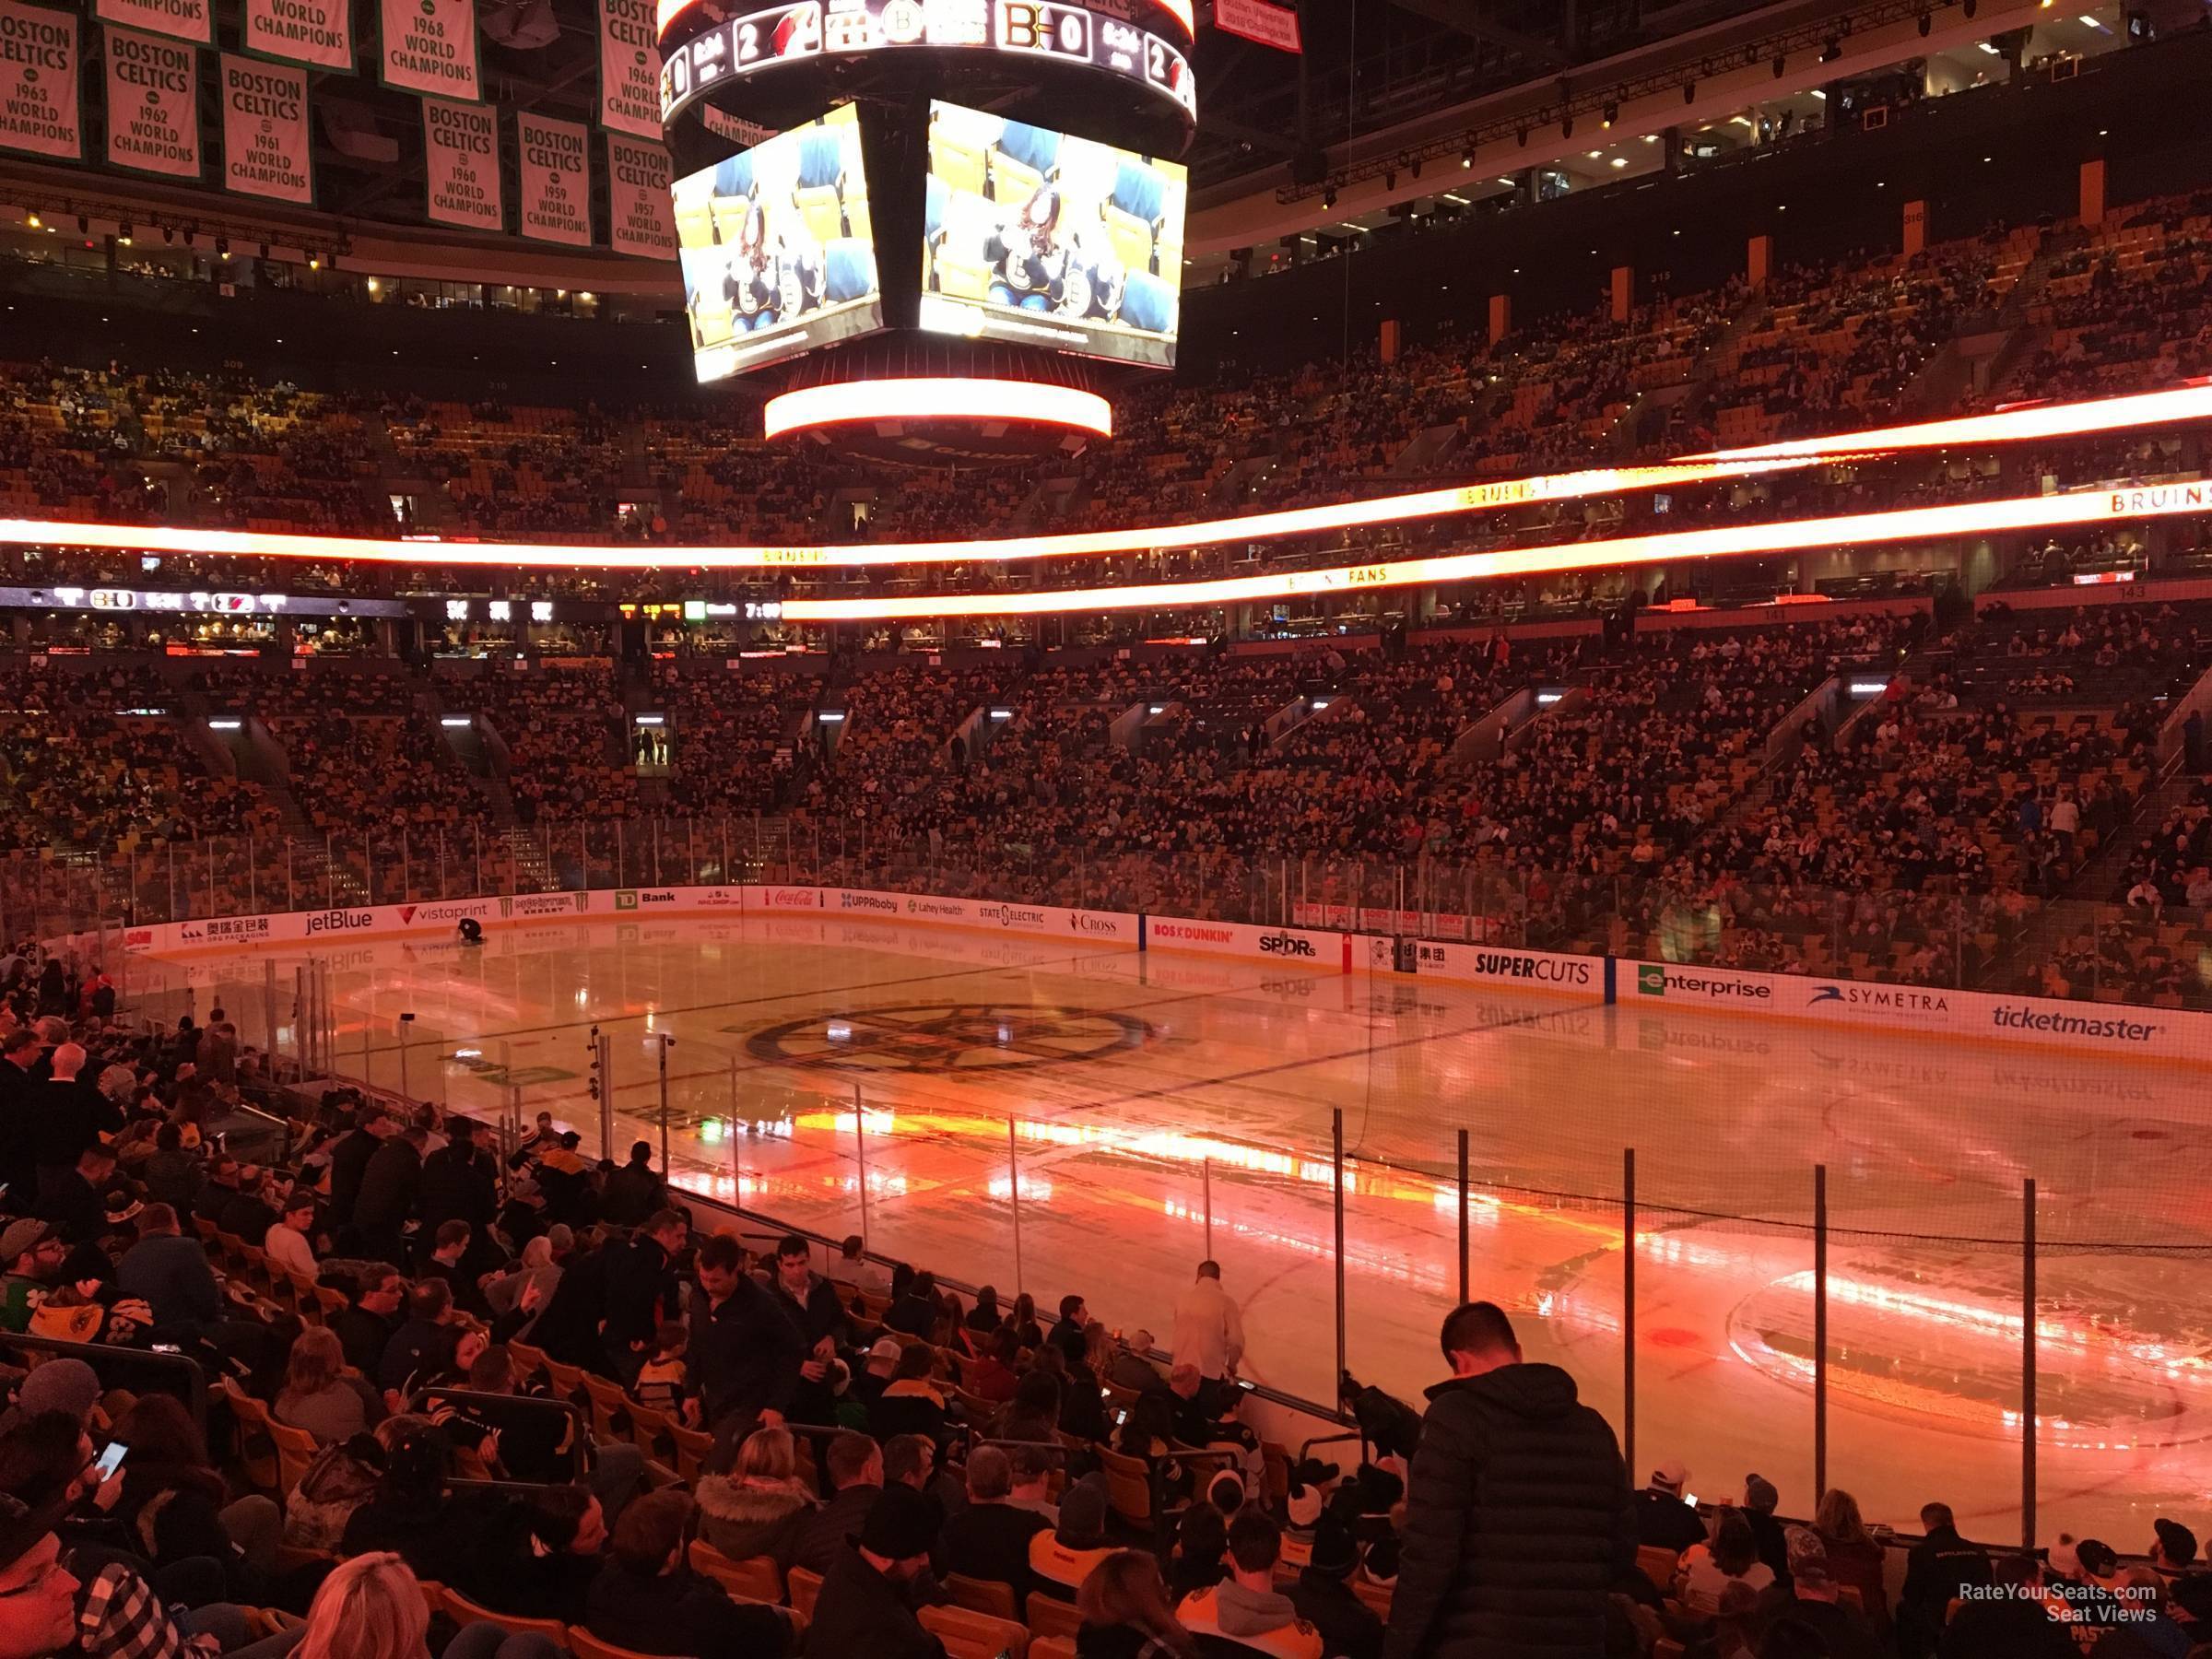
316	33
264	132
153	104
38	82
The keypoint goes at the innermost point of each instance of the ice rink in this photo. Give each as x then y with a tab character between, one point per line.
1154	1101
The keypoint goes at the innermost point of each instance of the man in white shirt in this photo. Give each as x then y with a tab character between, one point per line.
286	1240
2065	816
1209	1332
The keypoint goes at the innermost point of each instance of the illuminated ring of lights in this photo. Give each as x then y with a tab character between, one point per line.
964	1037
938	398
2191	402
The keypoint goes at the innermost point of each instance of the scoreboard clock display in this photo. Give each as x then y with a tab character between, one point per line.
1134	42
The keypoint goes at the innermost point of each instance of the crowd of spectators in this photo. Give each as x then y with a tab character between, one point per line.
503	1400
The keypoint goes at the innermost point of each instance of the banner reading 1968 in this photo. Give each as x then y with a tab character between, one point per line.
554	174
638	213
429	46
178	19
316	33
630	68
264	131
38	82
153	104
461	151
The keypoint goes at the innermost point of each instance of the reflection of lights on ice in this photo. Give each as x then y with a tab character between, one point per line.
839	1031
467	1054
713	1132
1033	1191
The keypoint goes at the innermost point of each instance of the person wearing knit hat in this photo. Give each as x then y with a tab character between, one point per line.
862	1611
2175	1550
57	1385
1062	1556
1379	1566
1814	1600
1761	1499
1324	1599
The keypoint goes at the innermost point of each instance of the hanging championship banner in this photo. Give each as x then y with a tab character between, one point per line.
637	210
554	173
153	104
461	153
630	68
179	19
429	46
38	82
264	132
315	32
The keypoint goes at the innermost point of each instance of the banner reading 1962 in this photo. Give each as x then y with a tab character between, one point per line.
630	68
178	19
554	174
38	82
637	199
429	46
316	33
264	131
153	104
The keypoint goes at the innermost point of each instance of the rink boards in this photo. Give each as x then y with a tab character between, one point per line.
2102	1029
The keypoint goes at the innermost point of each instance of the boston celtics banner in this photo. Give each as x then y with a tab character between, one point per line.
630	68
264	131
178	19
637	199
461	151
429	46
554	175
153	104
316	33
38	82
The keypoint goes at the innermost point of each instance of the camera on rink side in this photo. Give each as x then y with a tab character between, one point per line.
471	931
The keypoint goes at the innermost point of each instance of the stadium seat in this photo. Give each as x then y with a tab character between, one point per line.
982	1595
757	1578
1048	1616
971	1635
805	1586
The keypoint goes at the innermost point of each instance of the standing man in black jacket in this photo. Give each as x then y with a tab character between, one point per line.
746	1355
641	1292
1518	1514
459	1184
389	1188
806	1300
349	1158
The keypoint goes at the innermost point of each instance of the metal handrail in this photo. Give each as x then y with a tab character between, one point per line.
95	1354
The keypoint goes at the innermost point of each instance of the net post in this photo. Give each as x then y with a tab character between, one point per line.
1819	1330
1628	1308
1014	1196
2027	1378
1336	1193
1466	1245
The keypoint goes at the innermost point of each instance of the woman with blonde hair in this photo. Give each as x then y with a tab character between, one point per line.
317	1397
1854	1555
1125	1612
370	1607
756	1508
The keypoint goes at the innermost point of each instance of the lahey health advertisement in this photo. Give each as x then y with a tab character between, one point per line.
461	146
38	82
153	104
178	19
430	46
318	33
264	132
555	178
637	197
630	68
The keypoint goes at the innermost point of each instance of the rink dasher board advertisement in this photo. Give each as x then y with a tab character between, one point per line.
2100	1029
2091	1028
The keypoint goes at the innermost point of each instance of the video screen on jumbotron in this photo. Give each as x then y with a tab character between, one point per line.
1050	240
775	248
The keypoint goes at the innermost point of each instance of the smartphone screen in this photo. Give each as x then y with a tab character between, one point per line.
111	1459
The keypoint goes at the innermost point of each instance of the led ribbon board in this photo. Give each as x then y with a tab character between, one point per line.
932	399
1858	529
2192	402
1091	36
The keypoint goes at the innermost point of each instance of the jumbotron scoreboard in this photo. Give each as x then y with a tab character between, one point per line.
922	228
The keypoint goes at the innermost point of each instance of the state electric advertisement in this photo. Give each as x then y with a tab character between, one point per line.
776	250
1036	237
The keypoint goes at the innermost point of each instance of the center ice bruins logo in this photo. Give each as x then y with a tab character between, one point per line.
947	1036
